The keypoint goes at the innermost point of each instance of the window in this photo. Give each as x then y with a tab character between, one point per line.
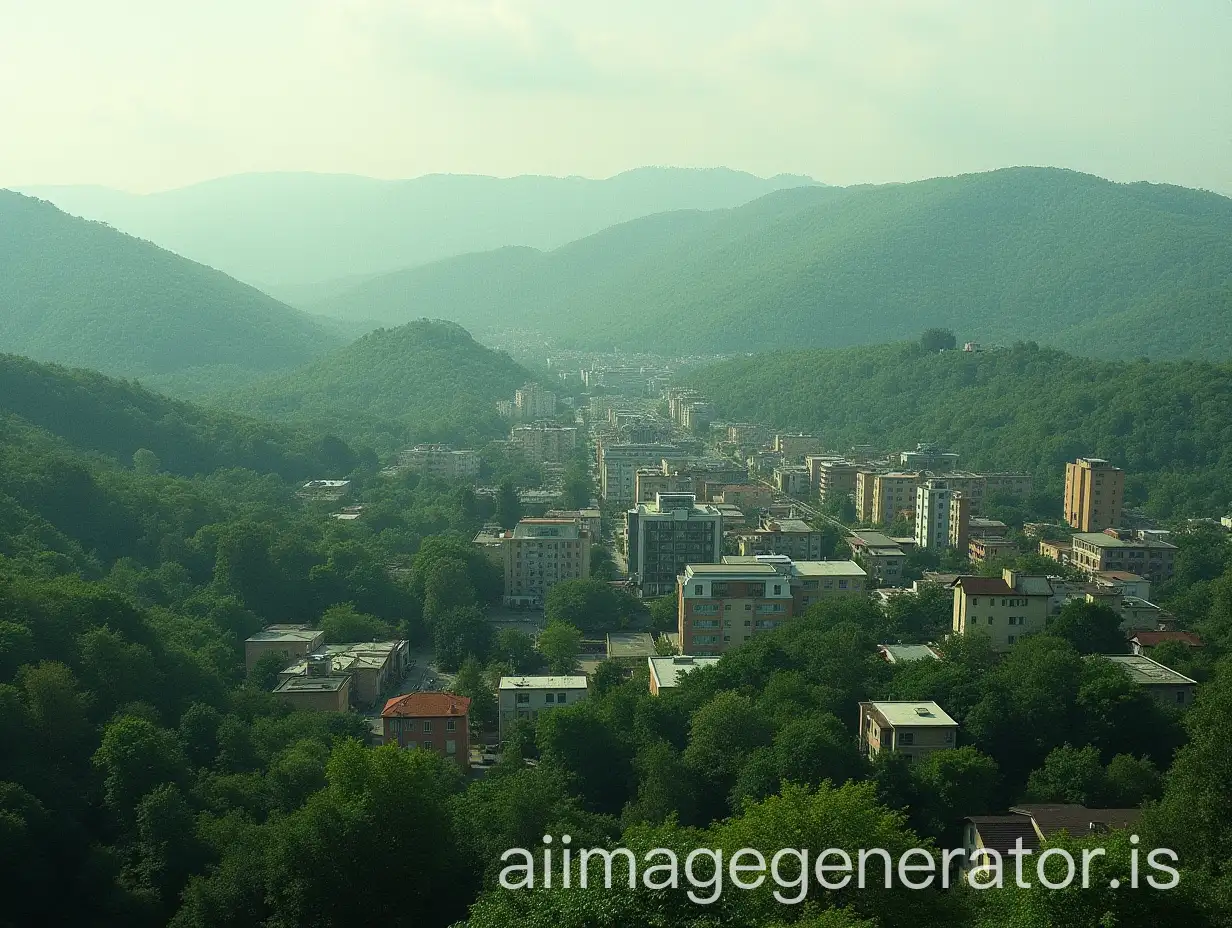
990	620
560	699
842	584
523	699
427	726
949	737
1180	696
450	725
427	745
549	698
778	589
408	724
1011	639
975	600
697	590
906	737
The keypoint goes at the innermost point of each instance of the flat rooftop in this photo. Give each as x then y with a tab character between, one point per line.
668	670
752	568
543	683
914	714
630	644
330	684
827	569
905	653
794	526
287	634
875	539
1144	671
1102	540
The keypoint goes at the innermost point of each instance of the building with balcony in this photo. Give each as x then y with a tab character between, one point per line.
545	443
792	537
440	461
881	557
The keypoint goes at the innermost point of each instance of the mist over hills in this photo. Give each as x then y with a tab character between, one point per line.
81	293
293	234
1022	253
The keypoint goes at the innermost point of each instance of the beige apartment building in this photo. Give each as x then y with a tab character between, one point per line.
1004	608
649	482
893	493
913	729
1094	494
545	443
536	555
440	461
833	479
865	479
1122	550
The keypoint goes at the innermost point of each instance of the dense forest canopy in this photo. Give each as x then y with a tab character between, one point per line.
1168	424
1055	256
82	293
299	230
427	380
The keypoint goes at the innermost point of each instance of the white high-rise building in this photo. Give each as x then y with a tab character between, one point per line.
932	514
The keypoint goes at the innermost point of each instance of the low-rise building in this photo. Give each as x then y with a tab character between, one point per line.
1144	641
328	693
1004	608
324	491
630	648
928	456
1164	683
651	481
1122	550
375	667
437	722
525	697
794	538
1137	613
1123	582
913	729
989	548
814	581
665	672
792	480
287	641
882	557
1059	550
906	653
747	497
440	461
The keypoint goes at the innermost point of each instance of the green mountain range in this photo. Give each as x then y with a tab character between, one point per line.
427	380
1023	253
1167	423
81	293
293	234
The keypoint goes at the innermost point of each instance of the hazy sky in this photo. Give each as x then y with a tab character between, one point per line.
146	95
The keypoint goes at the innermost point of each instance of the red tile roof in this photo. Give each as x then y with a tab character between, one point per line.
426	706
984	586
1151	639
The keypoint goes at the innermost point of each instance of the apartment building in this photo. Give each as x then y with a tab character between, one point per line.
933	505
437	722
881	557
985	548
649	482
287	641
721	606
440	461
619	464
795	447
1009	484
534	402
1163	683
928	456
815	581
958	533
833	479
591	520
1060	551
747	497
1122	550
865	480
665	536
893	493
1004	608
536	555
972	486
1094	494
792	480
526	697
913	729
545	443
794	538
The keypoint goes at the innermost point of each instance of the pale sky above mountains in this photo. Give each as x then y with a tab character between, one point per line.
146	95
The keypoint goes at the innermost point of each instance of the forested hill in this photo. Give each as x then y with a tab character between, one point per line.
1169	424
81	293
427	380
1055	256
286	232
96	414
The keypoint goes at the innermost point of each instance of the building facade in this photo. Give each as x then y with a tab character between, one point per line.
835	479
933	504
440	461
1094	494
913	729
536	555
794	538
437	722
721	606
527	697
545	443
1123	551
618	466
1004	608
534	402
893	494
669	534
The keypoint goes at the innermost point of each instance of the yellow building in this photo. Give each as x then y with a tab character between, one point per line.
864	494
1094	494
536	555
913	729
893	493
1004	608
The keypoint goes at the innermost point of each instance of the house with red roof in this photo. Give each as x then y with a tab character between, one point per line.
437	722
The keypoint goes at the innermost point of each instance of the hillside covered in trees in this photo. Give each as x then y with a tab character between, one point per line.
424	381
81	293
288	232
1055	256
1168	424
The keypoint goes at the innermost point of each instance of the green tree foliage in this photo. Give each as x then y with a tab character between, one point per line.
508	506
938	340
560	644
460	633
1090	628
343	623
592	605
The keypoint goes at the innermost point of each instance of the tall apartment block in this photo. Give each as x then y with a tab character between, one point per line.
833	479
534	402
440	461
933	501
1094	494
665	536
893	493
543	444
536	555
619	464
